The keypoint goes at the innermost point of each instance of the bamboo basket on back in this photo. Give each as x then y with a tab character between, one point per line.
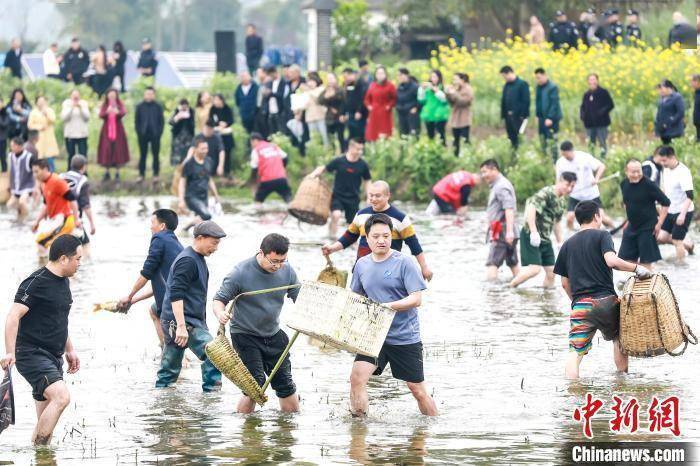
650	319
312	202
341	318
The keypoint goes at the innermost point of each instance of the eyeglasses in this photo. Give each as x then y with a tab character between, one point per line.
275	263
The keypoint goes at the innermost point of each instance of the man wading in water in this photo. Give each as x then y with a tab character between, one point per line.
184	319
389	277
543	211
401	228
585	265
255	327
36	334
163	250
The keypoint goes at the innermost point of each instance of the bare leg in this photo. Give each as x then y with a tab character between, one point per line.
58	398
245	405
525	274
40	407
680	250
515	270
548	277
333	226
426	404
491	273
607	221
647	266
359	401
570	220
621	360
290	404
573	361
663	237
156	323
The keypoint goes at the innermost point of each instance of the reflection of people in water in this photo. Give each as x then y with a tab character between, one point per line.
411	452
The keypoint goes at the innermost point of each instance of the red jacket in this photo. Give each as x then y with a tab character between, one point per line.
449	187
268	159
381	98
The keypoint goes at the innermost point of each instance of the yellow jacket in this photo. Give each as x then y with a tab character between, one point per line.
44	123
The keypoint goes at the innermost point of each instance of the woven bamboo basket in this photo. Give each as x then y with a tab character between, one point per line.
341	318
4	185
312	202
650	319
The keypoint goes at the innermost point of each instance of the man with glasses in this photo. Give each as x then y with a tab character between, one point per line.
255	326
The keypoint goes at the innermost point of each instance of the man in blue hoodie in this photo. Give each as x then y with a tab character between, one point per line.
163	250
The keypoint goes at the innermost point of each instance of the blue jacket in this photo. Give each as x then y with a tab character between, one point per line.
163	250
247	104
547	102
187	282
669	116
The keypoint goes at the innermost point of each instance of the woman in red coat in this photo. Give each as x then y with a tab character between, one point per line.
113	149
380	100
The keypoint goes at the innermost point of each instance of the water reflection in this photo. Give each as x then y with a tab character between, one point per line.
383	450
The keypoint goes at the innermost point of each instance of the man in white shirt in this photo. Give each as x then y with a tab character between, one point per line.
50	60
678	186
589	171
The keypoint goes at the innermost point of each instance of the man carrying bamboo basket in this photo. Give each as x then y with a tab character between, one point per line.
389	277
585	265
183	317
255	325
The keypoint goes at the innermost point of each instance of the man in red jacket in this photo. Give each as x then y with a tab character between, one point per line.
451	193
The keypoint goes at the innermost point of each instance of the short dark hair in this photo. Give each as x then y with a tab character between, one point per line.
257	136
696	78
569	177
540	71
32	134
356	140
210	123
362	63
490	163
463	76
347	69
404	71
78	162
566	146
167	217
198	139
18	140
64	245
666	151
506	69
632	160
314	76
149	88
276	243
585	211
271	69
41	163
382	219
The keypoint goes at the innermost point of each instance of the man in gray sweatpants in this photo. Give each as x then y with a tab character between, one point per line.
255	330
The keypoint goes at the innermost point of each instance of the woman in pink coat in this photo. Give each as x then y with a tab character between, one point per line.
380	100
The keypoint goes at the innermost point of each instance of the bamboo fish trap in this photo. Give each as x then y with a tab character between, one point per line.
226	359
341	318
650	319
312	202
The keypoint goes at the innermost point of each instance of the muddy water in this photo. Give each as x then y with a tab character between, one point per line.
494	363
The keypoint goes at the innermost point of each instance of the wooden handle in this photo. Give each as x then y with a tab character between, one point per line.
279	361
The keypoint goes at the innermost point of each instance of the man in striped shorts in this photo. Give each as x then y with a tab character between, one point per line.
585	265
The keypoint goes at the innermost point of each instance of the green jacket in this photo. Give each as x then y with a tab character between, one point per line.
547	102
435	106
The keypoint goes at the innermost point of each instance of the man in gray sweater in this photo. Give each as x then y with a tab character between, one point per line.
255	331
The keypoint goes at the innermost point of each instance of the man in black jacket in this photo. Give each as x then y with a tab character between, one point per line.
76	61
695	83
149	128
355	110
515	103
13	59
274	91
253	48
407	104
563	33
147	59
595	114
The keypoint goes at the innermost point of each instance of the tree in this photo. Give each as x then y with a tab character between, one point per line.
353	37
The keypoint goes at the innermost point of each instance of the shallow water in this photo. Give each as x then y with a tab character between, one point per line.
494	363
